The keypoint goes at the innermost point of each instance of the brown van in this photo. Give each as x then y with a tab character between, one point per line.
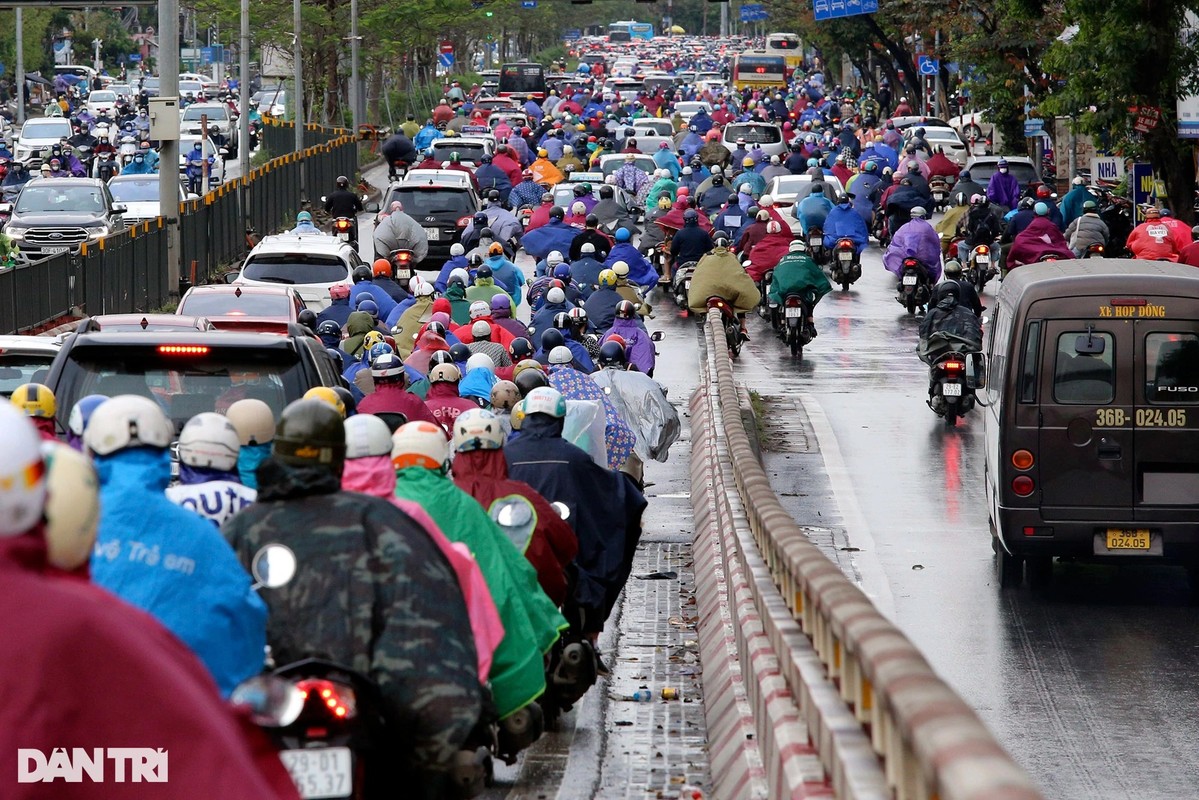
1091	428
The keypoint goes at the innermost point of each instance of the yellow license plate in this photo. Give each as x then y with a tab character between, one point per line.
1121	539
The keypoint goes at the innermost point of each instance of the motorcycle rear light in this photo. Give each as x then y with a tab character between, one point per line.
1022	460
183	349
337	700
342	225
845	245
403	257
982	250
1022	485
792	302
909	262
954	366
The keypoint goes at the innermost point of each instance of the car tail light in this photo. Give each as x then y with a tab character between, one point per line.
183	349
1022	460
338	700
464	221
1023	486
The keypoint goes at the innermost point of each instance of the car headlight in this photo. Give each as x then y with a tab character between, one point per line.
97	230
15	232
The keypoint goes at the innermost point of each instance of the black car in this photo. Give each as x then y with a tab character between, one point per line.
442	210
190	372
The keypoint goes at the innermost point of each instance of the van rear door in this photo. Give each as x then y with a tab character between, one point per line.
1167	414
1086	449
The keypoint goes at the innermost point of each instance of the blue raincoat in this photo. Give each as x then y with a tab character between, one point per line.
248	459
554	235
173	564
641	272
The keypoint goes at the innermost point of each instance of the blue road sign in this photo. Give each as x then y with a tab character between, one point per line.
445	60
927	65
832	9
135	57
528	3
750	12
572	34
1033	127
212	55
1143	188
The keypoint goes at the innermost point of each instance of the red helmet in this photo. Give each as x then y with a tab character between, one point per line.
381	267
1043	190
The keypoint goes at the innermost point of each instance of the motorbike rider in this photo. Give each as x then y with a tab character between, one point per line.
97	657
209	484
691	242
593	235
967	294
398	231
1152	240
255	425
392	394
969	186
1087	229
813	209
341	202
797	273
38	403
950	313
1045	195
916	239
982	225
1072	204
1042	237
638	347
399	148
641	271
196	161
403	620
168	561
1003	189
720	274
844	222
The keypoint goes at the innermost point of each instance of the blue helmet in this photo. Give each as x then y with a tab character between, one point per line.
369	306
380	349
623	235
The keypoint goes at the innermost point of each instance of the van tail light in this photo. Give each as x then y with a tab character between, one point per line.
1023	486
1022	460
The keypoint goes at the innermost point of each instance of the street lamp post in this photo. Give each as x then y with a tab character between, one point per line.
298	102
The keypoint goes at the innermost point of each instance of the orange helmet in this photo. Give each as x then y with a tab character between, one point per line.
381	267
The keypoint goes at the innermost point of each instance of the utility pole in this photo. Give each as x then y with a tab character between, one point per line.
724	18
243	100
168	173
298	101
356	104
20	76
97	64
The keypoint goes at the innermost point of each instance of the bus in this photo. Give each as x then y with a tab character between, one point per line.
522	80
1091	427
758	71
629	30
788	46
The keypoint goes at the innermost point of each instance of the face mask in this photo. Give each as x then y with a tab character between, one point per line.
138	159
1003	170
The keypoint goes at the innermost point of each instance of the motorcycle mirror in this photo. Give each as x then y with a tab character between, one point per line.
656	336
323	198
372	208
271	701
562	509
976	371
274	566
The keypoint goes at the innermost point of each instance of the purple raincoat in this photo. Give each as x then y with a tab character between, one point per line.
918	239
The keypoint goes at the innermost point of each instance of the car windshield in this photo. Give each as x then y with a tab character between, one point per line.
194	113
228	304
46	129
48	197
981	172
754	134
141	190
184	385
20	368
276	96
466	152
420	202
293	268
190	86
102	97
643	163
120	89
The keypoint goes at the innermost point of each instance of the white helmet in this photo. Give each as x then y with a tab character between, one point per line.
765	201
367	435
555	258
545	400
420	444
22	474
480	330
445	373
456	249
425	289
254	421
478	429
127	420
555	295
209	441
72	506
561	355
919	213
479	308
480	360
621	269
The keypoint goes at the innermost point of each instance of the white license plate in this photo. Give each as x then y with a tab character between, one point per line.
320	772
403	274
951	389
687	285
845	256
909	280
345	237
433	234
55	249
983	259
792	311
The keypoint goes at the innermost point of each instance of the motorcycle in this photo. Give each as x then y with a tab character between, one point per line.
195	175
939	188
913	286
401	264
733	334
105	167
950	392
979	268
1094	251
127	149
796	330
681	284
847	265
396	170
343	229
816	245
763	290
879	230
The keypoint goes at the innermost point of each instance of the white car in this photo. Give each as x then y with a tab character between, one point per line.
309	263
785	188
470	149
217	114
689	108
948	141
766	135
25	359
210	86
978	127
438	177
653	127
37	134
101	102
139	193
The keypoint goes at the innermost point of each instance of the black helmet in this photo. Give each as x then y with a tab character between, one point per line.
557	213
307	318
488	232
459	351
476	260
435	327
562	321
690	217
494	195
480	219
310	433
329	328
347	399
486	159
484	271
592	220
520	348
530	379
553	338
717	180
721	239
625	309
578	190
440	357
362	273
612	354
342	181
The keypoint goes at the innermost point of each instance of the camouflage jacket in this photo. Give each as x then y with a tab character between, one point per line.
372	592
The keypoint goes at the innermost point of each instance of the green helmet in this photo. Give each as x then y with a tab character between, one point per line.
310	433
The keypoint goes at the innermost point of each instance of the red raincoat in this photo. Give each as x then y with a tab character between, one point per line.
445	403
672	220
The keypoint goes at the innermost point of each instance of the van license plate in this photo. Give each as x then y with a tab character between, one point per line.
433	234
951	389
909	280
320	772
1122	539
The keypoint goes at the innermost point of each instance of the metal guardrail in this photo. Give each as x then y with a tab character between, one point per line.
929	742
126	272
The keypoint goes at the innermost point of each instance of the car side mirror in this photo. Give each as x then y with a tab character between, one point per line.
119	208
193	196
230	277
372	207
976	371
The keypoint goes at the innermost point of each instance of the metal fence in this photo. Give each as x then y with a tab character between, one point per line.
127	272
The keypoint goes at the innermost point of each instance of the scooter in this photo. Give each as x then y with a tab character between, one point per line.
796	330
847	265
127	149
1094	251
980	267
681	284
733	334
939	188
401	264
950	394
343	229
913	286
396	170
764	290
816	245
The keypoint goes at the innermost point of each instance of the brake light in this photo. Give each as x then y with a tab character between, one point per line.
910	262
338	700
342	224
1022	460
1022	485
845	244
463	221
982	249
403	257
792	302
183	350
954	366
1129	301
